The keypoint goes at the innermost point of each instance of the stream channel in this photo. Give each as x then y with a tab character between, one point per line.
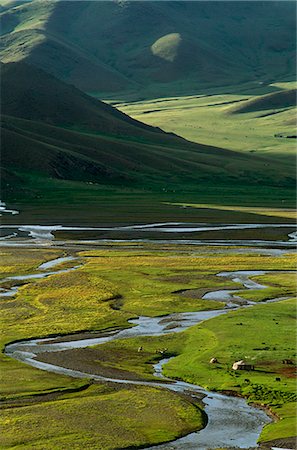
231	423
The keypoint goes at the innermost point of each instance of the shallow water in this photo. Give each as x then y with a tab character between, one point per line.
55	262
3	209
40	235
50	264
231	422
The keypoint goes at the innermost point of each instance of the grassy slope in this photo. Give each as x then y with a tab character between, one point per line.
25	36
274	101
117	167
111	160
88	54
105	147
207	118
60	132
32	94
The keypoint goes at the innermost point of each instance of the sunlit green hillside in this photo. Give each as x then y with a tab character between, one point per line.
250	118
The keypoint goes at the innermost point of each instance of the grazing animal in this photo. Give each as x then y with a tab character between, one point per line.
213	361
161	350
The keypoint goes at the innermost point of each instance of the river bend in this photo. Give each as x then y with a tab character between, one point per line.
231	421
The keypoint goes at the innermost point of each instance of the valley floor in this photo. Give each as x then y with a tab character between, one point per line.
214	117
103	288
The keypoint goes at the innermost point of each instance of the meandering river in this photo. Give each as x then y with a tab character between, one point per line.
231	421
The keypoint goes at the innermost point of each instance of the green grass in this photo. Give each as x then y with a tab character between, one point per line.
111	286
61	304
280	285
48	306
222	337
89	56
286	425
149	290
206	119
270	212
66	303
101	417
167	47
265	348
27	262
50	201
147	283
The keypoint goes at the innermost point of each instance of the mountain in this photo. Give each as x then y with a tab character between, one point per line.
30	93
55	131
276	100
152	47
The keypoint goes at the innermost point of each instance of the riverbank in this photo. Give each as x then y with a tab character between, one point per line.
140	278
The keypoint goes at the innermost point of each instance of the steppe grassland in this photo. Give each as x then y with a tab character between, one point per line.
286	213
109	417
113	286
269	337
156	278
269	332
27	261
206	119
60	304
118	284
19	379
110	287
196	346
280	285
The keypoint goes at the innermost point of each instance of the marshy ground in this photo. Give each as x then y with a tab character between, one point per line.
113	285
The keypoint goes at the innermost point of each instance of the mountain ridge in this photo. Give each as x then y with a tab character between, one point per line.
108	47
43	133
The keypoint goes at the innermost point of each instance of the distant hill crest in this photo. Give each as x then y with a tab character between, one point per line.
152	47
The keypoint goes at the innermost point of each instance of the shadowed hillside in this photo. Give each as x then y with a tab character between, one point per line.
31	93
56	131
153	48
276	100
